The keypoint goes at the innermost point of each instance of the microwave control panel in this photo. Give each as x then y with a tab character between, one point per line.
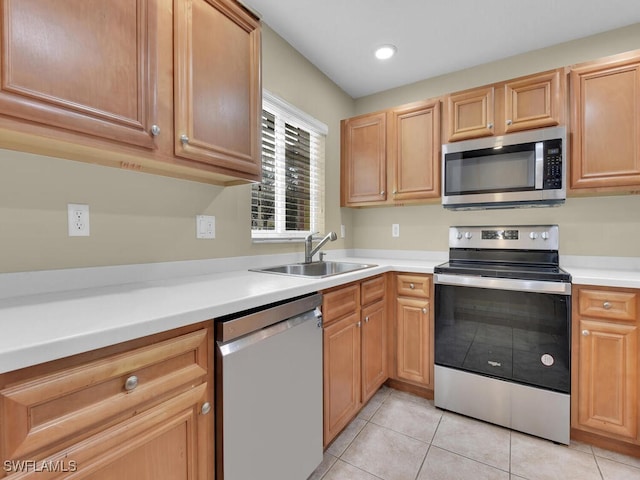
552	165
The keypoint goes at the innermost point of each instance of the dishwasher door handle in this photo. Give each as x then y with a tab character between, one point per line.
255	337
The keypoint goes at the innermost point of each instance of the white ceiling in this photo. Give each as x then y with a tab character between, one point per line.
433	37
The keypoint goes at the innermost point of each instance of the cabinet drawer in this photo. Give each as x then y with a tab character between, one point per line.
372	290
611	304
75	402
338	303
413	285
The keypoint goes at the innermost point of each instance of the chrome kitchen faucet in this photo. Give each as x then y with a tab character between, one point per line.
309	252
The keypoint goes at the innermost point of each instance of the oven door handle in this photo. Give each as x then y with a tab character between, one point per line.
518	285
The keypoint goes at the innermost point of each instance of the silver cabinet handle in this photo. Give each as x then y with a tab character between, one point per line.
585	333
424	310
489	126
359	324
606	305
382	192
395	192
412	286
155	130
509	122
206	408
366	319
131	383
184	138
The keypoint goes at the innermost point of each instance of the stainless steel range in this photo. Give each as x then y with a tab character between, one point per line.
503	329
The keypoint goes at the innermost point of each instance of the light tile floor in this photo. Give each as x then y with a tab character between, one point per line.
398	436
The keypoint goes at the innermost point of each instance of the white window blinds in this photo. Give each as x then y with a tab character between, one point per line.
289	203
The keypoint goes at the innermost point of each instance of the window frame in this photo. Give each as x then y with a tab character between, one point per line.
284	112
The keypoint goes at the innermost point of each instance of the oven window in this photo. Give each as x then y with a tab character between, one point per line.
517	336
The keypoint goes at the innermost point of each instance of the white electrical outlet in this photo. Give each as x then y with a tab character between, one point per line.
205	226
395	230
78	220
343	231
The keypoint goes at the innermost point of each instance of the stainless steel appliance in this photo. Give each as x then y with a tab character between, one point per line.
503	329
269	391
515	170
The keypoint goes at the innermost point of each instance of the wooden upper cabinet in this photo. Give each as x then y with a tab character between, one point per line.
217	85
523	103
364	159
605	125
534	101
470	114
396	150
414	151
89	67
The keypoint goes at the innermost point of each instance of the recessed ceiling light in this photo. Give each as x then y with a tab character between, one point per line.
386	51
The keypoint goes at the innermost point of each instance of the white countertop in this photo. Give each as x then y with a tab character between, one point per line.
40	327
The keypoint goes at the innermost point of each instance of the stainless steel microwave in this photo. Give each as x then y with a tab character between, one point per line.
524	169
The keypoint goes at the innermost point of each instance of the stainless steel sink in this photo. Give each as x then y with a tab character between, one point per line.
314	269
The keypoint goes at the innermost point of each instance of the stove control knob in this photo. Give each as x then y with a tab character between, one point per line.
545	235
468	235
459	235
533	235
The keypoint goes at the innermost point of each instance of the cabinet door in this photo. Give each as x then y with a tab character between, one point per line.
414	151
413	348
608	378
534	101
341	374
168	442
363	143
374	349
605	119
88	66
218	99
470	114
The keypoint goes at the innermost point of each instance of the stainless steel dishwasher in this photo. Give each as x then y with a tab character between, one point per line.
269	391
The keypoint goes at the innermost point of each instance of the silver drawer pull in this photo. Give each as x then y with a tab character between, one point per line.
131	383
184	139
412	286
585	333
366	319
155	130
424	310
206	408
606	305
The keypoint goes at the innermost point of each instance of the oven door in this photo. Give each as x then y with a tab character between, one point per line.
514	330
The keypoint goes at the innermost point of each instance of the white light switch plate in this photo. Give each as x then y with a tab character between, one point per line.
395	230
205	226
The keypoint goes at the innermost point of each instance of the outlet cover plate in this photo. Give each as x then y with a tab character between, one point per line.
78	220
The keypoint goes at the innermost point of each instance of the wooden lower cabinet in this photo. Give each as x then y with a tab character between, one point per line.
413	330
135	411
374	348
342	394
606	363
355	350
413	341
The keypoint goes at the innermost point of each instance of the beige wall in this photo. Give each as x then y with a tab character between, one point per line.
141	218
608	226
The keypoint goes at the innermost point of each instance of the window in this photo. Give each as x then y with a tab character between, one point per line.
289	203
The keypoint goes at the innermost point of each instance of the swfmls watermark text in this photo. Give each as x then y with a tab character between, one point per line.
58	466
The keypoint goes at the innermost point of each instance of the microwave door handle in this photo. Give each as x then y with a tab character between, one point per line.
539	165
